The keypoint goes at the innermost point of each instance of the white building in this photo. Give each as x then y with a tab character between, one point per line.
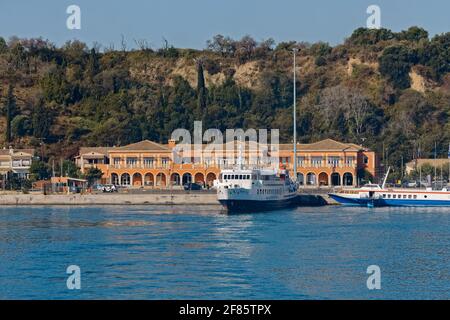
16	162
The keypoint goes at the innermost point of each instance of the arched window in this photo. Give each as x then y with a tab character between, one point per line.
125	179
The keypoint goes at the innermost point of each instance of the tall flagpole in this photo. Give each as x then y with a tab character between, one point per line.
295	119
448	156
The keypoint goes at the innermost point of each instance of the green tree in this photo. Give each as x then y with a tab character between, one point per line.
395	65
92	175
3	45
413	34
69	169
92	67
365	36
16	183
39	170
41	120
436	54
20	126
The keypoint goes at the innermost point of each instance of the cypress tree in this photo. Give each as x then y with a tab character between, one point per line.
41	120
201	89
10	111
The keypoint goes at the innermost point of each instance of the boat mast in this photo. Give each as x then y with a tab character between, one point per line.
435	166
295	120
385	178
448	155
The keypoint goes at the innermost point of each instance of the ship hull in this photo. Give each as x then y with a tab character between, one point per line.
356	201
390	202
243	206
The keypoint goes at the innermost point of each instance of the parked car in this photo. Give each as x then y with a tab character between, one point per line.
192	186
109	188
99	187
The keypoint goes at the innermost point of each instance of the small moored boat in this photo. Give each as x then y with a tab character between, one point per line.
374	195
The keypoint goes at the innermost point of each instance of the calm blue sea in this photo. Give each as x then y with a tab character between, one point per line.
197	253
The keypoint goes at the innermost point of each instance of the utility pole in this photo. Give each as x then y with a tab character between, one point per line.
295	118
419	154
401	177
448	156
435	163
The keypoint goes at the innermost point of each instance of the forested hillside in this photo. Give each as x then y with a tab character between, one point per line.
389	91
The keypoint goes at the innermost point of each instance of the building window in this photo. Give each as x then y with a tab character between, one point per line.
132	162
349	161
116	162
366	160
149	162
165	162
316	161
301	160
333	161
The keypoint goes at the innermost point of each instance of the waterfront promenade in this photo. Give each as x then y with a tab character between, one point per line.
150	197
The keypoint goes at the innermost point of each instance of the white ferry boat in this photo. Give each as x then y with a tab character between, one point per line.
376	195
240	190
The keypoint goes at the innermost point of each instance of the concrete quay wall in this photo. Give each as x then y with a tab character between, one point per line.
159	198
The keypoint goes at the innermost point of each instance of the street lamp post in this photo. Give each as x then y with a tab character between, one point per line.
295	118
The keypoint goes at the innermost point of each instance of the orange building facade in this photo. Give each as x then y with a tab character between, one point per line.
152	165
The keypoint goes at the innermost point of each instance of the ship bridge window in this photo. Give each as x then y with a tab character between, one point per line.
389	196
394	196
409	196
415	196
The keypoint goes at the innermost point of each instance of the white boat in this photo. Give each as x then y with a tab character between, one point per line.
240	190
376	195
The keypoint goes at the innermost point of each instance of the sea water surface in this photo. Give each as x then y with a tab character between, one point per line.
144	252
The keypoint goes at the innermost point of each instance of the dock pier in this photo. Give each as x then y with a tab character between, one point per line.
138	197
